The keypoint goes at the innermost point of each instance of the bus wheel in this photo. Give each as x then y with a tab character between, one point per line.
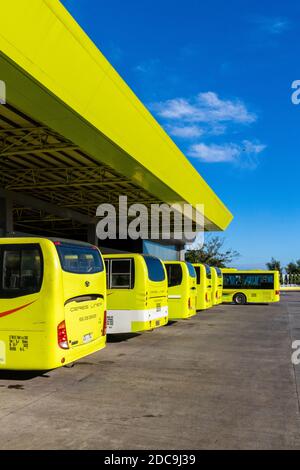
240	299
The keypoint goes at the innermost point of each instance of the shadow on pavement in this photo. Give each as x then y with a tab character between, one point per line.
118	338
171	323
21	375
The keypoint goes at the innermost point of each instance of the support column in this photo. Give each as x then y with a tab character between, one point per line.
6	217
182	252
91	235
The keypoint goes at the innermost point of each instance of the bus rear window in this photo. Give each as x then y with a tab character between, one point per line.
155	268
174	272
219	272
79	259
208	271
191	269
22	270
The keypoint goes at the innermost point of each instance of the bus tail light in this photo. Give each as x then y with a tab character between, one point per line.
62	337
206	297
189	303
277	292
104	328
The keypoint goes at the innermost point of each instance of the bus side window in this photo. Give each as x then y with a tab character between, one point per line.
106	262
267	281
174	272
22	271
121	274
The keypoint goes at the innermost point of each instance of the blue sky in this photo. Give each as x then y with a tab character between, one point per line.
217	75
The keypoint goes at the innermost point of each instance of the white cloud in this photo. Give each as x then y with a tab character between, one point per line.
217	129
253	147
274	25
206	114
178	108
205	107
243	154
185	132
224	110
213	153
148	66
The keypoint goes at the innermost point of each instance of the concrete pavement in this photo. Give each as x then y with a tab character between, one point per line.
222	380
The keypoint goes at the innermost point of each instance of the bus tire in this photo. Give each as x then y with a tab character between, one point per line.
240	299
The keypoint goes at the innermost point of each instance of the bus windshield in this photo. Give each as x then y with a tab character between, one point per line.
155	268
79	259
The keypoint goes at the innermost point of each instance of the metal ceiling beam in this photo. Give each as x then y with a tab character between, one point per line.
22	141
35	203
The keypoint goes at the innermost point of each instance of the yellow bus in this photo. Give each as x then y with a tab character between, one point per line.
182	296
228	270
242	287
217	285
203	280
52	302
137	295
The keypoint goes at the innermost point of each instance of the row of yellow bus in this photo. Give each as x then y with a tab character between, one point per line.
59	299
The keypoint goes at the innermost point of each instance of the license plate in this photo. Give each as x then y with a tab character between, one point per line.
87	338
157	323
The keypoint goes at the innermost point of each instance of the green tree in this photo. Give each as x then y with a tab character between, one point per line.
274	265
212	253
293	268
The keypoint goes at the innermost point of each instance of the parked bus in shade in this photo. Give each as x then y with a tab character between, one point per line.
242	287
137	293
52	302
203	284
182	295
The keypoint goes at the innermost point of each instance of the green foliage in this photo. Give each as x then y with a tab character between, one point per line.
212	253
274	265
293	267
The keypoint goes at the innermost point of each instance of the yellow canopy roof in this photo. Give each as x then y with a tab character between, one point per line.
56	76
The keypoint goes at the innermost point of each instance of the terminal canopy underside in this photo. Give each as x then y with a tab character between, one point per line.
73	135
37	161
